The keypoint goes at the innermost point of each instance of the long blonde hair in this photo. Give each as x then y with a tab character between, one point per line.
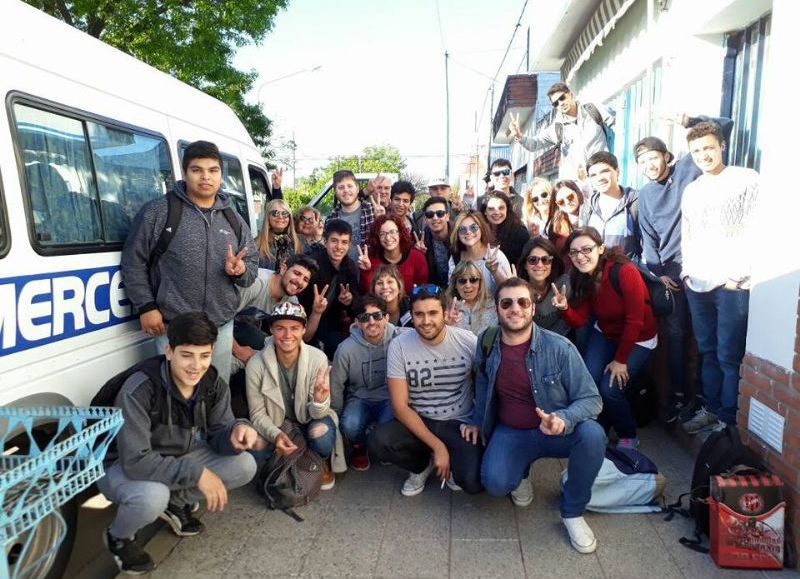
265	236
529	210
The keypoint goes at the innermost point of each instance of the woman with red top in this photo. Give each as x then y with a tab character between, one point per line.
625	333
390	242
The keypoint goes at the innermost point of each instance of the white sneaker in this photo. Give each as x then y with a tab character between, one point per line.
415	483
452	485
522	496
580	535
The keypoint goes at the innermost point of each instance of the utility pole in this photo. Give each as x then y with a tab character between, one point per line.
447	98
294	162
491	128
528	52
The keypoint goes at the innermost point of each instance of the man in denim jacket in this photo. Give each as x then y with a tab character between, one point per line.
540	402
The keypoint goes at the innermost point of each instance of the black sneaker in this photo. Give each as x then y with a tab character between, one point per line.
129	557
182	521
690	409
673	411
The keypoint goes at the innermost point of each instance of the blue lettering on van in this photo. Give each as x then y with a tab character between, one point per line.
45	308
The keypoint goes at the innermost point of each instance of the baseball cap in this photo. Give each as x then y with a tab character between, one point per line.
438	182
288	309
649	144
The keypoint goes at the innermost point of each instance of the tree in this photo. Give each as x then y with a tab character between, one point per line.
193	40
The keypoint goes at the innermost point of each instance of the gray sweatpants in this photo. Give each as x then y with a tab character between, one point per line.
139	502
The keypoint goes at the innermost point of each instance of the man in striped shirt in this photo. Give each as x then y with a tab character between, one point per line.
429	373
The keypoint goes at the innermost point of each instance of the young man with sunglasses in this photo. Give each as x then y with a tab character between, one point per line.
435	240
430	386
501	178
358	376
578	130
534	398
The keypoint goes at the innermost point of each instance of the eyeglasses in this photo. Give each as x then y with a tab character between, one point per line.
465	229
364	317
560	99
307	219
279	213
506	303
534	259
564	200
438	213
536	198
390	233
573	253
464	280
429	288
503	172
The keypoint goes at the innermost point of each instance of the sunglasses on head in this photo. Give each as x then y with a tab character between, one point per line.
560	99
438	213
505	172
279	213
364	317
472	228
464	280
536	198
564	200
506	303
429	288
535	259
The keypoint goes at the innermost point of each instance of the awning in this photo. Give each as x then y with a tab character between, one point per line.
599	26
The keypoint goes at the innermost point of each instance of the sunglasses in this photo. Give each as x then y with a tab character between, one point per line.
429	288
536	198
503	172
279	213
438	213
506	303
564	200
582	251
464	280
364	317
535	259
560	99
307	219
465	229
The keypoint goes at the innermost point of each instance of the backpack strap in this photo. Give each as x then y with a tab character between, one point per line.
234	221
486	344
613	277
174	214
592	111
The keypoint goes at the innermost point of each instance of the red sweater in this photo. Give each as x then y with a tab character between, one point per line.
413	269
624	319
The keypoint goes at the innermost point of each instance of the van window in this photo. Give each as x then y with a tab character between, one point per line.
86	181
4	236
261	196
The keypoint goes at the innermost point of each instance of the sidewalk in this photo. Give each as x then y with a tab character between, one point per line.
365	528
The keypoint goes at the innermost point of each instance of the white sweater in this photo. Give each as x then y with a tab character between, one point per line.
717	241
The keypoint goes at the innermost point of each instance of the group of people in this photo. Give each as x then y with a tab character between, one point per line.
453	341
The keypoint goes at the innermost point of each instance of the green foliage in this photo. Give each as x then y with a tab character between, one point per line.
194	41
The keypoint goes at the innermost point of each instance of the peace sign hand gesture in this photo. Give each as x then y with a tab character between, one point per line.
560	297
320	300
379	209
453	314
363	258
345	296
322	386
419	242
550	424
513	126
234	264
277	177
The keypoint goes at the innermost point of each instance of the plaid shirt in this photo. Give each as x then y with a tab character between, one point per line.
367	217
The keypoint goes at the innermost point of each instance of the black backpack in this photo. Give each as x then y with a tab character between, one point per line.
290	481
661	300
174	214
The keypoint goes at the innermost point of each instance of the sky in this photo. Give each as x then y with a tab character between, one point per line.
382	76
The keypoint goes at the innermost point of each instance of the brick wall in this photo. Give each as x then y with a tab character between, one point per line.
778	388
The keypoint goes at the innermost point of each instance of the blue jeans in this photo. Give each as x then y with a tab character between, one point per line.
322	445
511	451
678	325
616	409
719	319
358	413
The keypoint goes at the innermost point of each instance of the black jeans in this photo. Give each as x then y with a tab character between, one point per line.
392	442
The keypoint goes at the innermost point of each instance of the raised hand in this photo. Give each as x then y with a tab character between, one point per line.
550	424
452	317
320	300
514	128
234	264
379	209
619	374
277	177
363	258
322	387
284	445
345	296
419	242
559	300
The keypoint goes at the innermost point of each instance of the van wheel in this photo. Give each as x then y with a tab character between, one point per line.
45	558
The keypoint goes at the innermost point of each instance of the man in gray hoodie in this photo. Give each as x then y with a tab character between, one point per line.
204	259
359	375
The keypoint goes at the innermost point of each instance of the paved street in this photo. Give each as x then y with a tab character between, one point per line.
365	528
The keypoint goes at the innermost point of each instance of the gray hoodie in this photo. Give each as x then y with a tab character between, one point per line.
359	368
190	276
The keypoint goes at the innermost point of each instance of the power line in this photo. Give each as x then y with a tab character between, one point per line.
439	20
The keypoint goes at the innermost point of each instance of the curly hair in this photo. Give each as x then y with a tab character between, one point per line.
374	240
264	239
